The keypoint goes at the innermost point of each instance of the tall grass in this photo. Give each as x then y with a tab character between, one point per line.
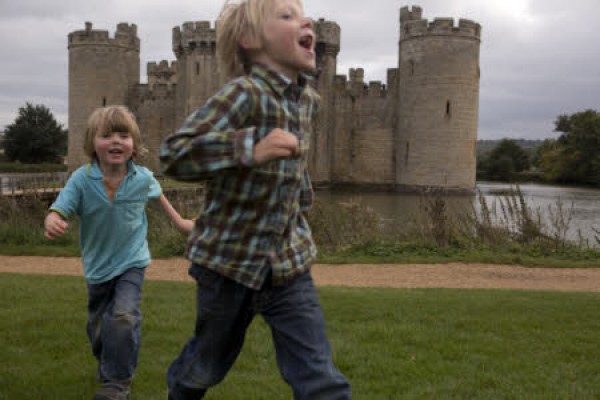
22	228
390	343
505	230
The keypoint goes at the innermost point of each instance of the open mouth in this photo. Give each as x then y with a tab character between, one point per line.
307	42
115	151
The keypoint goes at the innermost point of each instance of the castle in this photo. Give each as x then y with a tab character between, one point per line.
419	130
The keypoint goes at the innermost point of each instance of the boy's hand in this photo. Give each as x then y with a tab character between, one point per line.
55	226
277	144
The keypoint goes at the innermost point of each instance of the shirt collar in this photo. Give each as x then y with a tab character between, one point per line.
93	169
279	82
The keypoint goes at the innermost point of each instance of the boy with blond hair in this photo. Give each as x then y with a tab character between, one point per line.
109	196
251	249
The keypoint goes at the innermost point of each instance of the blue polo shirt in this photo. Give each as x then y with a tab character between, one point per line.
113	235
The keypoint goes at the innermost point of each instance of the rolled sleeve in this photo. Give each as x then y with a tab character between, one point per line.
209	141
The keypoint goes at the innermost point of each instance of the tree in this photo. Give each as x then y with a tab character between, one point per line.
35	137
575	156
505	161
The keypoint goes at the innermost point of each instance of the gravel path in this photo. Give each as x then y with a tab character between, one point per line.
453	275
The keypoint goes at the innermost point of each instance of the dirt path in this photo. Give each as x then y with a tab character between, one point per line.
452	275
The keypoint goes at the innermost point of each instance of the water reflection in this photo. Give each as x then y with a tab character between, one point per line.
583	204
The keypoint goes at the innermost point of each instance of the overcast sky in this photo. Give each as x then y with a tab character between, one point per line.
539	58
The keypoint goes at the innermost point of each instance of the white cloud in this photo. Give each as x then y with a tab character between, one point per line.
539	58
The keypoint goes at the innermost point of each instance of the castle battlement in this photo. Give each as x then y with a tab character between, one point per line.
161	73
413	25
356	75
410	14
354	85
161	68
376	89
194	35
328	36
125	37
159	91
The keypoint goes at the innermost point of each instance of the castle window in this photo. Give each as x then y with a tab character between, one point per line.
103	101
412	67
448	109
197	68
406	154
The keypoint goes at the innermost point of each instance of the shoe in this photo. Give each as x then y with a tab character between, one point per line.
112	391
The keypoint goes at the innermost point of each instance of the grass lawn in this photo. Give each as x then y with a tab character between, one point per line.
390	343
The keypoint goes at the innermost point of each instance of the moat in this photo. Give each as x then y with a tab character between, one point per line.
583	204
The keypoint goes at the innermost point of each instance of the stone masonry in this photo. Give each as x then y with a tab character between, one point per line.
416	131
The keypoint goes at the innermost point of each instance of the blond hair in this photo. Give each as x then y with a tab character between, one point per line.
113	119
240	18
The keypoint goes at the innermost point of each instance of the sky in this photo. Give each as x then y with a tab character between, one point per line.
539	58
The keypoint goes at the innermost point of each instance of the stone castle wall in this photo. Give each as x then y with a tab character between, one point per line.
417	130
102	70
438	101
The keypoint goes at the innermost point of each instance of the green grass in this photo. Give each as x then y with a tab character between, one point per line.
425	253
390	343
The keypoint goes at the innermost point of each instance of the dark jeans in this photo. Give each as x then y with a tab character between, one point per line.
114	324
224	312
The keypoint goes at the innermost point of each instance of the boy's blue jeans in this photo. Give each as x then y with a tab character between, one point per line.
114	325
224	312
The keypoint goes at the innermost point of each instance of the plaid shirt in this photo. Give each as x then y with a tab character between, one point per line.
253	219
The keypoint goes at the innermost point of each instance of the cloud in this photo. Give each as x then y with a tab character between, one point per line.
539	58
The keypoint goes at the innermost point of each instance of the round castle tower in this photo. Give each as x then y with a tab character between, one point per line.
198	76
438	102
102	71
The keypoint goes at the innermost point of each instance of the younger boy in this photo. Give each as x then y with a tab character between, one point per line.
109	196
252	248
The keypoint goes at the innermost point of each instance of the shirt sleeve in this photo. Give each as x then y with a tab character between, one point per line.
154	191
212	139
68	201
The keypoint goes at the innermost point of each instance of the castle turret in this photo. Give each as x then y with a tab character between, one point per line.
327	49
102	71
438	99
162	73
357	81
198	77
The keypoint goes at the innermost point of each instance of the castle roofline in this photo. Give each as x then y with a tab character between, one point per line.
125	36
413	25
